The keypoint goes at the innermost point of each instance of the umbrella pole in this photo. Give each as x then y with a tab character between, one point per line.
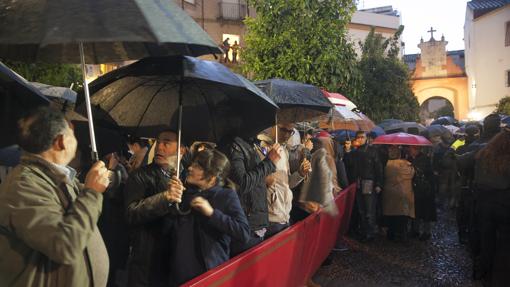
179	132
94	154
276	127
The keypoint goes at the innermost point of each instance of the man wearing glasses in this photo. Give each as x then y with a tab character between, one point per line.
151	193
369	177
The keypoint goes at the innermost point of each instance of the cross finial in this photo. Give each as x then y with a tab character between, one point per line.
431	31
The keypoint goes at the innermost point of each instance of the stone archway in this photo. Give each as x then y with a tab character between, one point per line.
435	107
443	88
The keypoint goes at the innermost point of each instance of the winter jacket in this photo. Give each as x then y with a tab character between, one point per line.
484	178
199	243
397	194
424	196
146	209
48	231
368	164
249	173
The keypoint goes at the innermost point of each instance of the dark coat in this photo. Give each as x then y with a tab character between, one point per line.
249	173
200	243
146	209
424	196
368	165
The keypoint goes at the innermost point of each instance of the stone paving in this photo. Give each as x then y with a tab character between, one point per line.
441	261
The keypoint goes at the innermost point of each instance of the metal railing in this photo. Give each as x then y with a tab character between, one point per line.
232	11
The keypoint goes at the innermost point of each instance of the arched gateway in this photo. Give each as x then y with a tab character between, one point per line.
438	74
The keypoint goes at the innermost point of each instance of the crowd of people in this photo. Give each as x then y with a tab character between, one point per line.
150	219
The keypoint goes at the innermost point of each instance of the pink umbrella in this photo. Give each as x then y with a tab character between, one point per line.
402	139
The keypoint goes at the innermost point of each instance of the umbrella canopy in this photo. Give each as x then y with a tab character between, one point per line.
111	30
17	96
388	122
406	127
339	100
402	139
108	140
86	31
445	120
143	98
62	93
343	135
438	131
298	101
378	131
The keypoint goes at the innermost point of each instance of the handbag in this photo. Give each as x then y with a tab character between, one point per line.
367	186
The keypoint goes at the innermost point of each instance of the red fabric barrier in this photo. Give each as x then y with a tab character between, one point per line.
289	258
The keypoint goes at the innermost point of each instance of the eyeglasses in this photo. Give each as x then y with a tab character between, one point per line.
287	131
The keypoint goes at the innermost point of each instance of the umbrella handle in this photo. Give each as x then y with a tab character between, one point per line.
276	127
93	146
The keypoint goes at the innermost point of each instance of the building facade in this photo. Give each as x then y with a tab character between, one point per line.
222	20
384	20
487	44
438	80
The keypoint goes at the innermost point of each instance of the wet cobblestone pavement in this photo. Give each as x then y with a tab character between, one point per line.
440	261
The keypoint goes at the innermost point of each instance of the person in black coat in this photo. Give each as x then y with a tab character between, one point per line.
492	198
147	203
424	196
369	175
200	237
249	173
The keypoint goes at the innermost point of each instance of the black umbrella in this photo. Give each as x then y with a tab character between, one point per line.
58	93
144	98
445	121
438	130
109	140
406	127
17	96
298	101
110	30
388	122
79	31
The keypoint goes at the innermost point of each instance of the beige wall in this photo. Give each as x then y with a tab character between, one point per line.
207	14
487	59
362	22
452	89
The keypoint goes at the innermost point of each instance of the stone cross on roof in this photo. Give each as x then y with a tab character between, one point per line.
431	31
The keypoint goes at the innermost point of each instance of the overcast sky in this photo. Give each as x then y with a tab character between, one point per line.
446	16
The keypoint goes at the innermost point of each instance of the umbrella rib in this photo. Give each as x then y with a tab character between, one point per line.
150	102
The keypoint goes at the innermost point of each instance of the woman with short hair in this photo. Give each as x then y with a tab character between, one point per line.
212	218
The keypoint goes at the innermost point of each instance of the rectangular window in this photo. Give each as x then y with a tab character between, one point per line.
507	34
508	78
